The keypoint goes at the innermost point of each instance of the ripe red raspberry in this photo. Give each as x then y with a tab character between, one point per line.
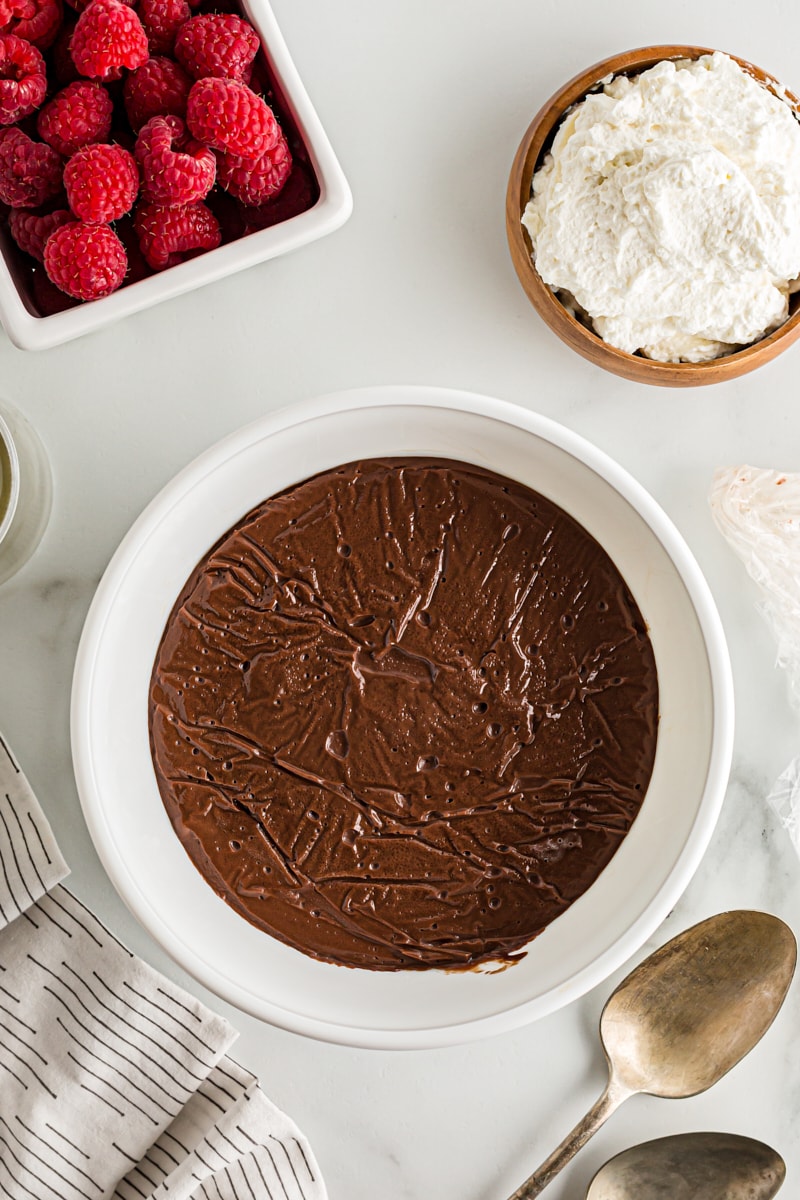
158	89
75	117
219	44
108	35
300	193
30	172
256	182
167	235
31	230
101	183
162	19
85	261
23	82
228	116
175	168
37	21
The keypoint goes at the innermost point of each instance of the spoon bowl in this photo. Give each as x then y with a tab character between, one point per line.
692	1166
684	1017
694	1008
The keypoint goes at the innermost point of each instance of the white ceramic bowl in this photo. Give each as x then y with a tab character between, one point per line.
32	332
117	785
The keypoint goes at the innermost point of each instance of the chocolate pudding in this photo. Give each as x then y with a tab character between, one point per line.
403	714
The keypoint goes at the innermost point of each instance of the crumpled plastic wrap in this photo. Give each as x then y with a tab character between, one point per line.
758	513
784	800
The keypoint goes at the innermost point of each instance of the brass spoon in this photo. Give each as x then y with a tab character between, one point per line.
684	1017
692	1166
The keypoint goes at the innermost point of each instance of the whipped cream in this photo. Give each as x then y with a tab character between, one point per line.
669	210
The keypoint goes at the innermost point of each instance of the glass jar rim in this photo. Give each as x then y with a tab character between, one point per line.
9	460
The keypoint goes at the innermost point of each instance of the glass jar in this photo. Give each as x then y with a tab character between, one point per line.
26	490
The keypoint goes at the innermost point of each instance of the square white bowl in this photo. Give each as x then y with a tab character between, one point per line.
30	331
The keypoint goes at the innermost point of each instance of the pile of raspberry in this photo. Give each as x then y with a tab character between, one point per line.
120	123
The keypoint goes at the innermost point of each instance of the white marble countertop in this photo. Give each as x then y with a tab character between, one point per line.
425	105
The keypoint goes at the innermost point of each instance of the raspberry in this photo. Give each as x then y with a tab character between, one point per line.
101	183
85	261
218	44
300	193
158	89
108	35
228	116
162	19
256	182
75	117
175	168
23	82
37	21
14	11
30	172
30	230
168	234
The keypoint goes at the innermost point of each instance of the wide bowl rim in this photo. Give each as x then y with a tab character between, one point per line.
641	926
572	331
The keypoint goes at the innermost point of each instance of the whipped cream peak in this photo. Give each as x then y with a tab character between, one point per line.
669	209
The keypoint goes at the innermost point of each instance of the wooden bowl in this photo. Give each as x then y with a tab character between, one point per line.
533	147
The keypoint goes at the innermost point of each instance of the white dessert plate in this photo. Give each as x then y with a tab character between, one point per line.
117	784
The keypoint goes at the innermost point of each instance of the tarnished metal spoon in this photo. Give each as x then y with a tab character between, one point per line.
684	1017
692	1166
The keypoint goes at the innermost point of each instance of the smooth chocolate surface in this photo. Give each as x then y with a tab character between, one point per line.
403	714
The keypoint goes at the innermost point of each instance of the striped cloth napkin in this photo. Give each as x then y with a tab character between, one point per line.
114	1083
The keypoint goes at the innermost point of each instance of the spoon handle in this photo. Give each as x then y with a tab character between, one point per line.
611	1099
